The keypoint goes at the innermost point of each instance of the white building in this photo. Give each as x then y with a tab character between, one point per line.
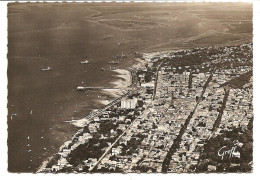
128	103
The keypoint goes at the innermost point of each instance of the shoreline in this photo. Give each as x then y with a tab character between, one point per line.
123	81
118	83
118	89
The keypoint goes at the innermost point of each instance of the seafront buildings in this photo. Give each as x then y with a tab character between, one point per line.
128	103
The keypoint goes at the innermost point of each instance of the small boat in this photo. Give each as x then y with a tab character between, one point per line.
31	112
12	116
106	37
47	69
84	62
103	69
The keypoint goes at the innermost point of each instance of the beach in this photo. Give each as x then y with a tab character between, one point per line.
117	89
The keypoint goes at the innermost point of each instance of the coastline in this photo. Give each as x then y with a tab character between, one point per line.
120	85
124	78
117	89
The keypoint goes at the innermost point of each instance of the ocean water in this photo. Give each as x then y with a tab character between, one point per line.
40	101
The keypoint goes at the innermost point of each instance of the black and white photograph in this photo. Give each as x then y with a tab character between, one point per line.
129	87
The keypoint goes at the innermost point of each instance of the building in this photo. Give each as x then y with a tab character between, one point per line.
128	103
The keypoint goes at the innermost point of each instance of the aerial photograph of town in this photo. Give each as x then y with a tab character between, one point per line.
130	87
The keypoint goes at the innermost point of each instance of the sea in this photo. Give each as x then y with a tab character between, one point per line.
39	102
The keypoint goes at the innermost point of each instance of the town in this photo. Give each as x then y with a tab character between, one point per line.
177	104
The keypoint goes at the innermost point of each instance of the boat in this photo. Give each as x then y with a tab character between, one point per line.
103	69
46	69
106	37
84	62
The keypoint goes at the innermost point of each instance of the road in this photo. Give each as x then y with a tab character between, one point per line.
156	79
176	143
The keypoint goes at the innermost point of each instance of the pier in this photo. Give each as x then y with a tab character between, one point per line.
93	88
107	106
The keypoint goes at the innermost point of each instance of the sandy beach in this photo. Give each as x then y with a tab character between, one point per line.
118	88
139	63
120	84
124	79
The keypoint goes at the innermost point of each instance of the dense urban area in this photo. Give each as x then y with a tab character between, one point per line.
185	111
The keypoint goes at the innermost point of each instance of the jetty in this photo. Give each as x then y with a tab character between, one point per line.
107	106
93	88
